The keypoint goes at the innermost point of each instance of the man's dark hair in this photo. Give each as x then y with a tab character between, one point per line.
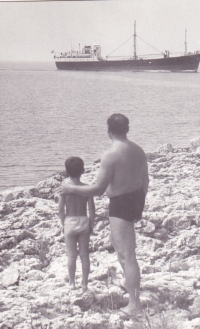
74	166
118	124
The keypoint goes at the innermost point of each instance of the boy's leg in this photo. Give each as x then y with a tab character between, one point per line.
123	240
71	246
84	238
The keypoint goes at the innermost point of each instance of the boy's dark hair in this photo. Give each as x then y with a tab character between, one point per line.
74	166
118	124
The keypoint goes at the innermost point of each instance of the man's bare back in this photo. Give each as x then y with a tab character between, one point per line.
129	167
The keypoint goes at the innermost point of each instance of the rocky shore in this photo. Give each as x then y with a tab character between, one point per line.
33	262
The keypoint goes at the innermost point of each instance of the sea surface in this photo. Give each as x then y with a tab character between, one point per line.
47	115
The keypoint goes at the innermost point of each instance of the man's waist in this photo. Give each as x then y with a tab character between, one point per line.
112	194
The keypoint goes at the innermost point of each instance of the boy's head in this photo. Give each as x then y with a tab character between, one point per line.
118	124
74	167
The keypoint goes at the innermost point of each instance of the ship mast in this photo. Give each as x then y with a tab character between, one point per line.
135	55
185	41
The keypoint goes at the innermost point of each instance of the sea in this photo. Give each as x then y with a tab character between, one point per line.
47	115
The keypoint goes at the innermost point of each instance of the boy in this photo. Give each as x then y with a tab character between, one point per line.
77	226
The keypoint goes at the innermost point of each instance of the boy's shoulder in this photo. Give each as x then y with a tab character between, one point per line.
67	180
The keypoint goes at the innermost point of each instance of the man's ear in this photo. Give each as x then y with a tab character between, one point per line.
83	170
67	175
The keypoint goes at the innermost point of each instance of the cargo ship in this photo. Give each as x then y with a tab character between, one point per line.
89	59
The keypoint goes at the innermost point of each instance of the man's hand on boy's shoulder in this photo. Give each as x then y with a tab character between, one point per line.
66	187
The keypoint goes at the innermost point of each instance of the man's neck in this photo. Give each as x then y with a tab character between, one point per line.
120	138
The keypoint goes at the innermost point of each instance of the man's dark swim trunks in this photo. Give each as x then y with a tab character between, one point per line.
128	206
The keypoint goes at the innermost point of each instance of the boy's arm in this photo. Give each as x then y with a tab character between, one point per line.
61	209
91	209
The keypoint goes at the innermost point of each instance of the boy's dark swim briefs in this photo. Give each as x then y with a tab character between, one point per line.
128	206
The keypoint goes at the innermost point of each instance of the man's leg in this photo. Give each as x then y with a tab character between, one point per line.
71	246
84	238
123	240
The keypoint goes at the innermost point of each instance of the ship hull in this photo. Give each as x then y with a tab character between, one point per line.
175	64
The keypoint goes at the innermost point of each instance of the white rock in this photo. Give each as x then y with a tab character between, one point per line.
195	142
9	277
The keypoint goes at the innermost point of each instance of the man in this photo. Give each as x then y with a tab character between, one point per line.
123	174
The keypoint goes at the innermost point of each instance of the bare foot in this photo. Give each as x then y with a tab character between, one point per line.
72	286
132	310
127	313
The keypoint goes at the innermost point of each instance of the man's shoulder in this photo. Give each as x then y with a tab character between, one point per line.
138	152
138	148
108	155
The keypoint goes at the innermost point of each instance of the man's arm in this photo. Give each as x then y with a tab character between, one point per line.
61	209
91	209
145	177
103	179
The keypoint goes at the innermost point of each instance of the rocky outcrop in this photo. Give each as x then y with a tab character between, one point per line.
33	271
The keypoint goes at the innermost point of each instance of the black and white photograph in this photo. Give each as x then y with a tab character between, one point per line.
100	164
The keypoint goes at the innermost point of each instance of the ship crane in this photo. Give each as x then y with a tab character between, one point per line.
135	36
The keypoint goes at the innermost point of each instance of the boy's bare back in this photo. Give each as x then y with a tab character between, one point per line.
76	205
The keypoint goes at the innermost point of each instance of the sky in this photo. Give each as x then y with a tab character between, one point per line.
31	30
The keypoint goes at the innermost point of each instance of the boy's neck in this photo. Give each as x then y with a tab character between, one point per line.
75	180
